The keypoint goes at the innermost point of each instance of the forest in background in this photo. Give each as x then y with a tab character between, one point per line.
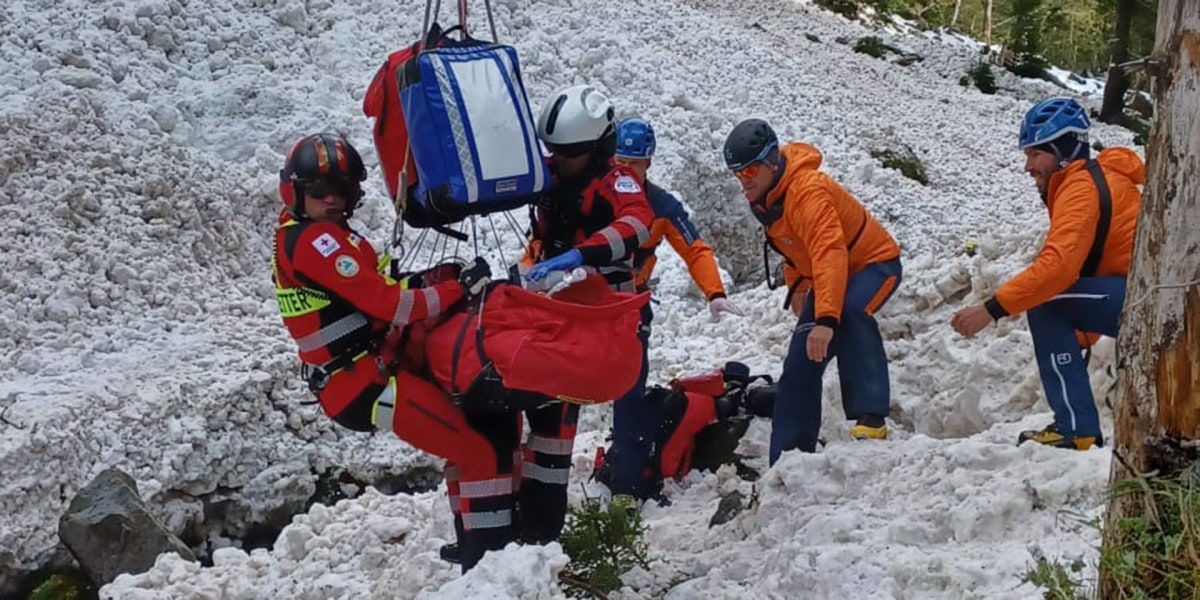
1073	34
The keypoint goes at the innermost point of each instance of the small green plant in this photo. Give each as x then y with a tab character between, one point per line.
1061	582
981	75
905	161
603	543
871	46
68	585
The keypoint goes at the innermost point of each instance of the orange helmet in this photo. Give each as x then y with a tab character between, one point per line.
321	158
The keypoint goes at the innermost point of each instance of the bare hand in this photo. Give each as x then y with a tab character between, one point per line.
971	320
818	343
723	305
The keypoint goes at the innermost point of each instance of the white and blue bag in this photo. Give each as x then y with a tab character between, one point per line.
472	134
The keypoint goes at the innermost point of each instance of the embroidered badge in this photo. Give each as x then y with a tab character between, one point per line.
626	185
346	266
326	245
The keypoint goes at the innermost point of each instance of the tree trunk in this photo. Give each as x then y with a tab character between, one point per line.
954	19
987	24
1159	343
1115	85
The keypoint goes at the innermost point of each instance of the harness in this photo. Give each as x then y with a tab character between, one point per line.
1092	264
562	209
767	216
563	218
317	376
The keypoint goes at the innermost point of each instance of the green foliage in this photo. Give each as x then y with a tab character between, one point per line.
981	75
1156	554
871	46
1025	38
1139	127
1074	34
72	585
1061	582
1030	65
905	161
1025	28
891	7
846	8
603	542
1153	554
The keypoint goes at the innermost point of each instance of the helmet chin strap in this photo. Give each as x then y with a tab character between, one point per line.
1077	152
297	207
1062	160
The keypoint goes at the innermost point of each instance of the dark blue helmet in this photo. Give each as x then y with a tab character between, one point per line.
635	139
751	141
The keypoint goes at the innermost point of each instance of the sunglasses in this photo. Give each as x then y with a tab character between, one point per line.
750	169
322	189
571	150
748	172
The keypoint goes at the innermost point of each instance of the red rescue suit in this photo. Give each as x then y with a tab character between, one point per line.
340	307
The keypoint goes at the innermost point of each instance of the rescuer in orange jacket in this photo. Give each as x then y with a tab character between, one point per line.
1077	282
635	149
841	266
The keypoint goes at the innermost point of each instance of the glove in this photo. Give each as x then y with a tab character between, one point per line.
475	278
723	305
562	262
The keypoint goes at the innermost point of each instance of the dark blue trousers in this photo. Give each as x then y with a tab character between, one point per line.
1093	305
862	363
633	423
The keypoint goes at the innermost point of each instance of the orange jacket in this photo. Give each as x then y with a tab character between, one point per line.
824	234
671	221
1074	205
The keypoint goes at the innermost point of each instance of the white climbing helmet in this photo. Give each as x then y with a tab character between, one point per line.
575	115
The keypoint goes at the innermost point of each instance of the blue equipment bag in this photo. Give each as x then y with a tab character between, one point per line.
472	134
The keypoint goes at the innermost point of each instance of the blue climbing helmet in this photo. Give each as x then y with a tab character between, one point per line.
635	139
1060	123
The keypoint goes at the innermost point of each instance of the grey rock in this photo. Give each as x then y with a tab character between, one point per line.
731	504
1142	104
110	531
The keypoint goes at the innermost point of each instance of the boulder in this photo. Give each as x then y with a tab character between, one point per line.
110	531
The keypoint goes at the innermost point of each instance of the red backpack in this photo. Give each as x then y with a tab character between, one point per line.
382	103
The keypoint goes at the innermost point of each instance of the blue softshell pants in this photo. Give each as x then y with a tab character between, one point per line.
862	363
1092	305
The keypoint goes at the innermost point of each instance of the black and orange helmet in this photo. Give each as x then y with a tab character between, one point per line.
328	158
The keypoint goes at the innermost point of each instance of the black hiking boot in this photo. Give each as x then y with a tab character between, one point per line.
449	553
